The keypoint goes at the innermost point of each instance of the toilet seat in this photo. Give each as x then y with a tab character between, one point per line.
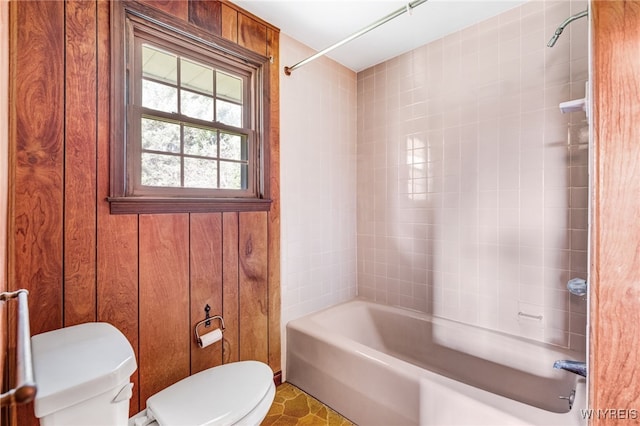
224	395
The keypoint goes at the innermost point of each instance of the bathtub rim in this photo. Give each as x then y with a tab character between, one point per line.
436	319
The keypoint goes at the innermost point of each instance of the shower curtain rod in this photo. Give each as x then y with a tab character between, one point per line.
407	8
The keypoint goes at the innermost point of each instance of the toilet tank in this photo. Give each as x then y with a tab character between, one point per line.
82	373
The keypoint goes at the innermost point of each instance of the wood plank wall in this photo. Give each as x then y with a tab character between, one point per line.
614	375
149	275
4	179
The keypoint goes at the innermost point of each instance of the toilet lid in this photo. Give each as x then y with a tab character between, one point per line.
217	396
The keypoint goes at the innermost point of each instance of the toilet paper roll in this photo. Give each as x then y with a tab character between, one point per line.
210	338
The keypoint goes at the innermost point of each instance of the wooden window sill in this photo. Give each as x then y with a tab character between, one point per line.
140	205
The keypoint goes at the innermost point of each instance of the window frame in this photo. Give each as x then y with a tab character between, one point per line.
133	24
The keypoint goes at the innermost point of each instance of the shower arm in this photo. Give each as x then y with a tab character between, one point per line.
407	8
562	26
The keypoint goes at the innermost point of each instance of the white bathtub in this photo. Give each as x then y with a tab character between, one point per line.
381	365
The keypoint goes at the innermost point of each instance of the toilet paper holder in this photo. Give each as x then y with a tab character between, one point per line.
207	321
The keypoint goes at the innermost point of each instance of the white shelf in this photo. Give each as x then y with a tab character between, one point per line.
577	104
573	106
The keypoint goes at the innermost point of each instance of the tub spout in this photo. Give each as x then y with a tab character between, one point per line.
579	368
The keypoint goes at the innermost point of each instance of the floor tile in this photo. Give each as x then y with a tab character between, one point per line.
292	407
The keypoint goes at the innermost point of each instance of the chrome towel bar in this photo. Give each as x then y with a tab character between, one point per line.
25	390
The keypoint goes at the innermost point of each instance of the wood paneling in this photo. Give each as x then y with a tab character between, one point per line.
4	177
206	284
615	274
253	276
177	8
231	307
150	275
229	23
38	137
207	14
37	147
164	325
80	164
252	34
249	15
273	49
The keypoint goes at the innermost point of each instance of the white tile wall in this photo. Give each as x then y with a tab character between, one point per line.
318	182
472	185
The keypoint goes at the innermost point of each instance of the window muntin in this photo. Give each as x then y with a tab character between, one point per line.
192	125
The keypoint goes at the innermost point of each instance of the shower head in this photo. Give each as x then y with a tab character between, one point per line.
555	37
562	26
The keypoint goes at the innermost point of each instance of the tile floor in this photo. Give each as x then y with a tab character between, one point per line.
293	407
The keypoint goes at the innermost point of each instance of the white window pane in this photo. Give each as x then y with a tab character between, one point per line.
160	170
229	113
232	175
159	135
196	76
228	87
232	147
159	96
197	106
159	65
201	142
200	173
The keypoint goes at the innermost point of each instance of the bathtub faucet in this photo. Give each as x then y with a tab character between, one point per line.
579	368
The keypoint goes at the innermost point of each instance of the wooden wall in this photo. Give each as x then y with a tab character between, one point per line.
614	374
4	175
149	275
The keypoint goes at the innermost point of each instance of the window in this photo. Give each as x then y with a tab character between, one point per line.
188	128
192	127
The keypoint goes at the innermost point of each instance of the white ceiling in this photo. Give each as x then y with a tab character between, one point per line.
322	23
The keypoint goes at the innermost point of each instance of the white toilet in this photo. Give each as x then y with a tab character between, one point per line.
82	373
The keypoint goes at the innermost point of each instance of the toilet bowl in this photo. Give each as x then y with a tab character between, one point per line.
83	378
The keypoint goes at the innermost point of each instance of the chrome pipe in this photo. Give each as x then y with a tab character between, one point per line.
576	367
389	17
25	390
562	26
